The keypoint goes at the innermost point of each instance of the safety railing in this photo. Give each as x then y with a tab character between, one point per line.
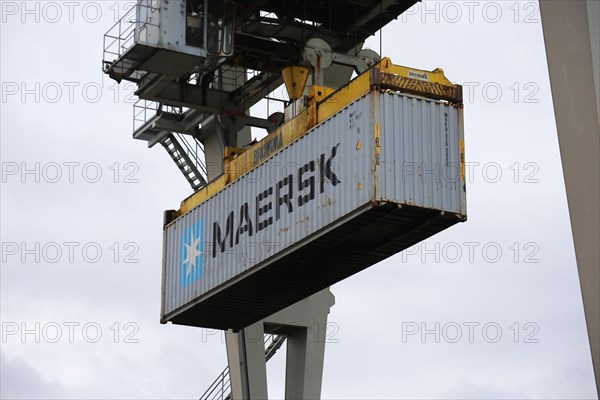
141	24
220	389
195	151
143	112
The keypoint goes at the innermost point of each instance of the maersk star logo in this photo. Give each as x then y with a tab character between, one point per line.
190	253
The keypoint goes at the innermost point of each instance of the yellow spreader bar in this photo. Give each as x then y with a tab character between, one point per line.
430	84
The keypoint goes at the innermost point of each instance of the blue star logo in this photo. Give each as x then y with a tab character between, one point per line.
190	253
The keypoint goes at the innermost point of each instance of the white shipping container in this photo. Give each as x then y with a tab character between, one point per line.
382	174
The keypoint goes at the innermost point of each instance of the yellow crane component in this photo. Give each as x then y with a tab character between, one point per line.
322	103
431	84
295	77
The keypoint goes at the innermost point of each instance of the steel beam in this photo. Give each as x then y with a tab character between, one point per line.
571	50
186	95
247	366
304	324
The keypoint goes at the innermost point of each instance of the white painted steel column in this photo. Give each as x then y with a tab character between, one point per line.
231	79
304	363
247	366
305	323
572	46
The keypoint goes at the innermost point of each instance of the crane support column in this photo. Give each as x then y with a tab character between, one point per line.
304	324
571	33
247	366
304	363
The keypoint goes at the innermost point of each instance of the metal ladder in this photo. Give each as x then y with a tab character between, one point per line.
190	169
220	389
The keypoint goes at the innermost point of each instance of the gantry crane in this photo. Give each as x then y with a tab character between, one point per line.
201	67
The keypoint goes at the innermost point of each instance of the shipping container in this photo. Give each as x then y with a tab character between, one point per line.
383	173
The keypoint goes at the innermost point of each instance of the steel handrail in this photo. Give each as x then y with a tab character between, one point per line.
223	381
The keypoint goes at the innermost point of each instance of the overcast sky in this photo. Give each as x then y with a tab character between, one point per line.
77	323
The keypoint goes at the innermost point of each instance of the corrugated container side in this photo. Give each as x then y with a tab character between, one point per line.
420	161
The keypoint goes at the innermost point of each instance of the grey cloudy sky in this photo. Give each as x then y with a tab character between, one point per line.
509	272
